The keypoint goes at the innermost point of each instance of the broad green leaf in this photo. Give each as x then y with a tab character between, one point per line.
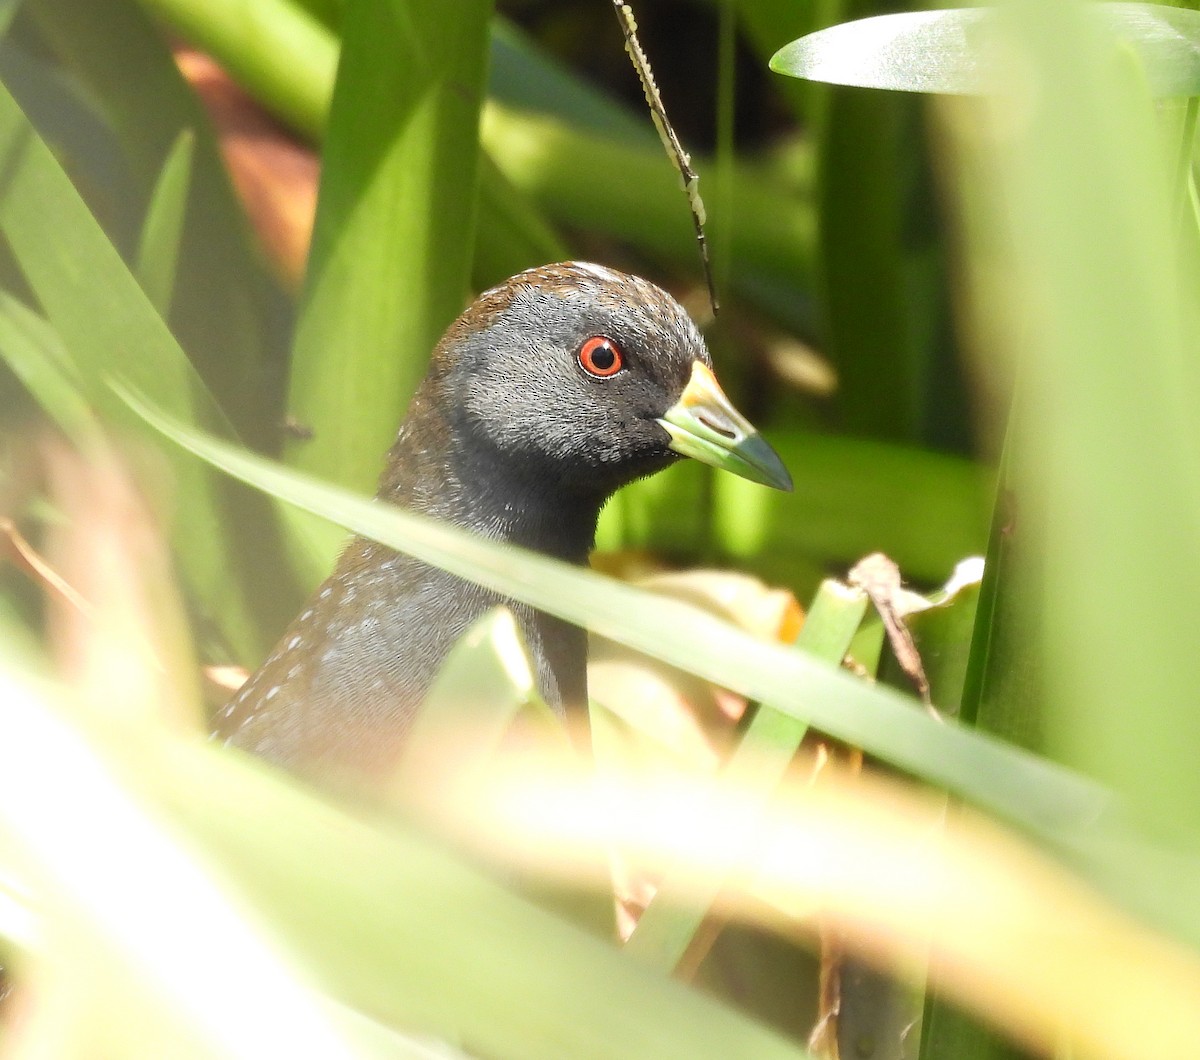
391	251
511	235
912	51
327	12
227	311
953	51
1091	514
1108	510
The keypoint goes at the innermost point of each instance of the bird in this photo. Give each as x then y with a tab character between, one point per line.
551	391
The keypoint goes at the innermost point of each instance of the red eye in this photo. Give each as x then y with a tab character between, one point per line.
601	357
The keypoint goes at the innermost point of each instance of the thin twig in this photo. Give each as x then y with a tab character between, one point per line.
666	133
879	578
28	559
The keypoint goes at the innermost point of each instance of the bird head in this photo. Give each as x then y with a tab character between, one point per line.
593	378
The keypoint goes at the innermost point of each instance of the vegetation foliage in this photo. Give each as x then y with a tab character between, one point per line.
958	256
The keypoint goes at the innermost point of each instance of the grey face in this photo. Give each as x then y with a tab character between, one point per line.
522	387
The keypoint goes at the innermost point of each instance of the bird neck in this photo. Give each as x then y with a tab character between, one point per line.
444	472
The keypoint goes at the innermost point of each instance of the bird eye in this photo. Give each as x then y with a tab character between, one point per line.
601	357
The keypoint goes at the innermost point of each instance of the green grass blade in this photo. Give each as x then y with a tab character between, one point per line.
679	907
485	682
484	693
231	853
8	9
876	1006
1102	475
882	281
153	938
287	60
104	319
158	248
511	235
1023	789
1111	511
35	354
391	250
943	634
227	311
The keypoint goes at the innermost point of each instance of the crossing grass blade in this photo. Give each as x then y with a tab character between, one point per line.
671	921
1021	788
481	688
103	317
227	311
34	353
158	248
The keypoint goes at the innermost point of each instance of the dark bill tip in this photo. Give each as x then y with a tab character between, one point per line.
704	425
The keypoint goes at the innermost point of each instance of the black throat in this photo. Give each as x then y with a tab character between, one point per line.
439	469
